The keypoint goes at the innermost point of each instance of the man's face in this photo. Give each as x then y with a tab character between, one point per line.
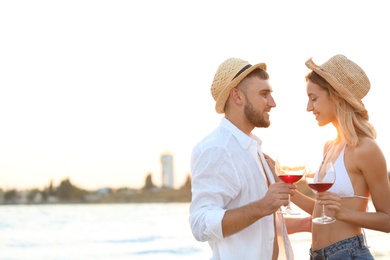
259	101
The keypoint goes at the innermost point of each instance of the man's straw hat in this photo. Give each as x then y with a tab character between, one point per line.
346	77
228	75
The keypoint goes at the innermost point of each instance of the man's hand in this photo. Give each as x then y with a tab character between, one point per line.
277	196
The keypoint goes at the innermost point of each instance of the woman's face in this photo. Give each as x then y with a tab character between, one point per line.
320	104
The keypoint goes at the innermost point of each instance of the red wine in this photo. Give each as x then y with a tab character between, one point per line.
320	186
290	178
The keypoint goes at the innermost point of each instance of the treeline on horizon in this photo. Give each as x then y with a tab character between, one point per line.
66	192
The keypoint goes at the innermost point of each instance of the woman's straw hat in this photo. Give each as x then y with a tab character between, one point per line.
228	75
346	77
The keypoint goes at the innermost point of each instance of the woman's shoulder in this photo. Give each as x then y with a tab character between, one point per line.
368	151
370	161
367	145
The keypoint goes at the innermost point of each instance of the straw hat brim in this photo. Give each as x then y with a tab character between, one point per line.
223	97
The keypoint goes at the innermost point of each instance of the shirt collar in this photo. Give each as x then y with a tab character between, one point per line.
244	140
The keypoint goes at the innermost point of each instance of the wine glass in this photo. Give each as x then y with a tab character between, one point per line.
321	181
289	170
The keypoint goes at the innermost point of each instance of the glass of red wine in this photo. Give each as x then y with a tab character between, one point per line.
321	181
291	171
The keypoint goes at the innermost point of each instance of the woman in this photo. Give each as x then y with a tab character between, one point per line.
335	91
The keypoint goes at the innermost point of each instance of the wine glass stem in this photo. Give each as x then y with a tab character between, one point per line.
323	216
288	209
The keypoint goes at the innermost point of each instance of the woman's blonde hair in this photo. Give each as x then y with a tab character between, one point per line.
352	123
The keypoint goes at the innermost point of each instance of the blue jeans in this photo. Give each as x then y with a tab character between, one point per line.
350	248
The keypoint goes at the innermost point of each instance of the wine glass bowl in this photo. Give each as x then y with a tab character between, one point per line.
289	171
321	181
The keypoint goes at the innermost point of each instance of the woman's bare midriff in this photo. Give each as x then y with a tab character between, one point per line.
325	235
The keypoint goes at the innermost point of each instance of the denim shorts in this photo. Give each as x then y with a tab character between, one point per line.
350	248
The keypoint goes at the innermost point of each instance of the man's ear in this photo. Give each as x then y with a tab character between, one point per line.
236	95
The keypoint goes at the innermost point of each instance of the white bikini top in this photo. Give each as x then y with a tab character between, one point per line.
343	185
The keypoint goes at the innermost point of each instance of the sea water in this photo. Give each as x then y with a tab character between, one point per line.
119	231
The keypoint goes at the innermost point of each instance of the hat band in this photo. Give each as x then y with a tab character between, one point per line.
242	70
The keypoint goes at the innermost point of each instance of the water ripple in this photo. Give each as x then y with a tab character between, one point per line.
136	240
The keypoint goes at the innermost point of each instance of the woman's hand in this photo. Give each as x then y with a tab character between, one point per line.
331	200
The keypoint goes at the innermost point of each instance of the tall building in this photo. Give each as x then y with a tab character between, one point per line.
167	170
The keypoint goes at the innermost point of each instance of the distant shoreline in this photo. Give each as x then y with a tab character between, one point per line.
104	196
66	193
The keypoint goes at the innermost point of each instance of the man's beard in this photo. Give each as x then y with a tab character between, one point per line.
255	117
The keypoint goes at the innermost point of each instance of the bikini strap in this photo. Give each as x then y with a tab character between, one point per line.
330	146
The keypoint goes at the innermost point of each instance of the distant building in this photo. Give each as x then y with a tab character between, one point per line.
167	170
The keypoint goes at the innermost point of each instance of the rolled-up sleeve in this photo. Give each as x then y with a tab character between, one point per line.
214	185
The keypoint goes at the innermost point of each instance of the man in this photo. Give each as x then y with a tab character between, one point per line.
234	193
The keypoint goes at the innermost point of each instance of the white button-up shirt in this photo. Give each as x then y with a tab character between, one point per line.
227	174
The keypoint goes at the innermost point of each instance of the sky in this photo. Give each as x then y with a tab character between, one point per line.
96	91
